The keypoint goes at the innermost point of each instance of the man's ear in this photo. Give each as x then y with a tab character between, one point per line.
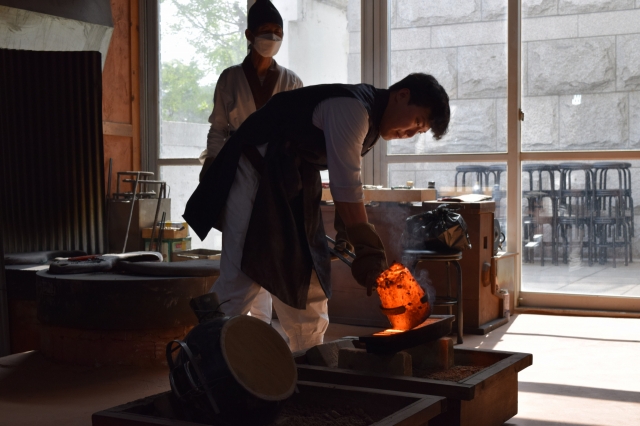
404	95
249	35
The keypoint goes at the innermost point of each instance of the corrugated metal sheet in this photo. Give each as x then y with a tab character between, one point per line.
51	151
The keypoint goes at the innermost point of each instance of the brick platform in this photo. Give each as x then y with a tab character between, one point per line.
24	328
108	347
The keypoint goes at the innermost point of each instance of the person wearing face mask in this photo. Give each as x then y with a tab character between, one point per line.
241	90
266	182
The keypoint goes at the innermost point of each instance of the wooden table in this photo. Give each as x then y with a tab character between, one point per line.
481	305
391	195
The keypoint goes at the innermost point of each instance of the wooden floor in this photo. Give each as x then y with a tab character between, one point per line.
585	372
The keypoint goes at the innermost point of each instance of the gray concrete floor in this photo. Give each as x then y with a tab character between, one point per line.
585	372
579	278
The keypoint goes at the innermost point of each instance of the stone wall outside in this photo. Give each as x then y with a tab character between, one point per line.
580	71
580	78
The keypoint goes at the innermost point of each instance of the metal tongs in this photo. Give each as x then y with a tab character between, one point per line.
339	255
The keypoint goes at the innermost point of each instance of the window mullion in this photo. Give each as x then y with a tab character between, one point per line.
374	65
514	148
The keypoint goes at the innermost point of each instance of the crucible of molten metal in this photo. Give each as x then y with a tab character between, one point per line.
403	300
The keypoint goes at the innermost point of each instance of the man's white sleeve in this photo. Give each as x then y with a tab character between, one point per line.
345	123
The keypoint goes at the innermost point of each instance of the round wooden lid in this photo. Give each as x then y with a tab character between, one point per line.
258	358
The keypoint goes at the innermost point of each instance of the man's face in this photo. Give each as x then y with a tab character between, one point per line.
401	120
264	29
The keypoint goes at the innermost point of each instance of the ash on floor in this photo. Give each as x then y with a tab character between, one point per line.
453	374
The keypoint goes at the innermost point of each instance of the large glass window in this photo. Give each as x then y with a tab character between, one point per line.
200	38
581	76
463	44
580	93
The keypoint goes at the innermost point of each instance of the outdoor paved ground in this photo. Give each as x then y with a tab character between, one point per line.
579	278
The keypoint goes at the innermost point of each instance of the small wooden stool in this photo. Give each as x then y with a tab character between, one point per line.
411	258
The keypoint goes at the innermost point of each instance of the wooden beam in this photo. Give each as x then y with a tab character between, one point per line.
135	83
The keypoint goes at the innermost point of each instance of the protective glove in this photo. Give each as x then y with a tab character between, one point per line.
342	239
371	259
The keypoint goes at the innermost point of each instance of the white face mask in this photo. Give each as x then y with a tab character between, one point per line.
267	45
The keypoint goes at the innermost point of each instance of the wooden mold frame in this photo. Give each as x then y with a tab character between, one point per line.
415	409
488	397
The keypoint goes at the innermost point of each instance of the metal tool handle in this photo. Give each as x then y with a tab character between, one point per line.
339	255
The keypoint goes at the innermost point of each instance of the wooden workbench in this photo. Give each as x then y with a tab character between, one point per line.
391	195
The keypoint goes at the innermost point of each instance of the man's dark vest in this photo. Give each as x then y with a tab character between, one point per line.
285	238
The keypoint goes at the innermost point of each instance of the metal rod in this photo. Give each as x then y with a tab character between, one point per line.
107	207
351	254
161	232
340	256
133	202
155	220
144	181
109	181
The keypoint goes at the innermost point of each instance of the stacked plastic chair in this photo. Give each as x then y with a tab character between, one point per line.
613	225
542	191
575	210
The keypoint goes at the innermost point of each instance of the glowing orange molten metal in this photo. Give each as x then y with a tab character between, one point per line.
403	299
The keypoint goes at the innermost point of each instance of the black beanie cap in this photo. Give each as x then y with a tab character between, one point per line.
263	12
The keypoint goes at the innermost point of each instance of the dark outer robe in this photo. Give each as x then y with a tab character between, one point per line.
285	238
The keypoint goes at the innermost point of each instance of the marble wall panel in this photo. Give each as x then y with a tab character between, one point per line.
566	7
634	120
540	126
469	34
628	62
609	23
413	13
599	121
482	71
494	10
441	63
410	38
571	66
549	28
532	8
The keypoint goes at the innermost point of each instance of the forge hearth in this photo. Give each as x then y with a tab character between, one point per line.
391	341
481	386
316	404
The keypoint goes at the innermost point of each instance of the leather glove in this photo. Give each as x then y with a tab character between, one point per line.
342	239
371	259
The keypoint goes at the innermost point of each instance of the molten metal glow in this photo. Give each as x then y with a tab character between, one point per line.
387	332
400	295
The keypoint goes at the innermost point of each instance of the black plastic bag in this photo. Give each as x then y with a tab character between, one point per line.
438	229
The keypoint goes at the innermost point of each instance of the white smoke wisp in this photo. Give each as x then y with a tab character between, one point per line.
425	282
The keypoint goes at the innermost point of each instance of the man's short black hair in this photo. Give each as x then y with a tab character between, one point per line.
428	93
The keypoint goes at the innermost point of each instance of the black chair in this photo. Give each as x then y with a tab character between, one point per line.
623	170
480	175
542	191
574	223
496	171
412	258
575	209
497	193
610	224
